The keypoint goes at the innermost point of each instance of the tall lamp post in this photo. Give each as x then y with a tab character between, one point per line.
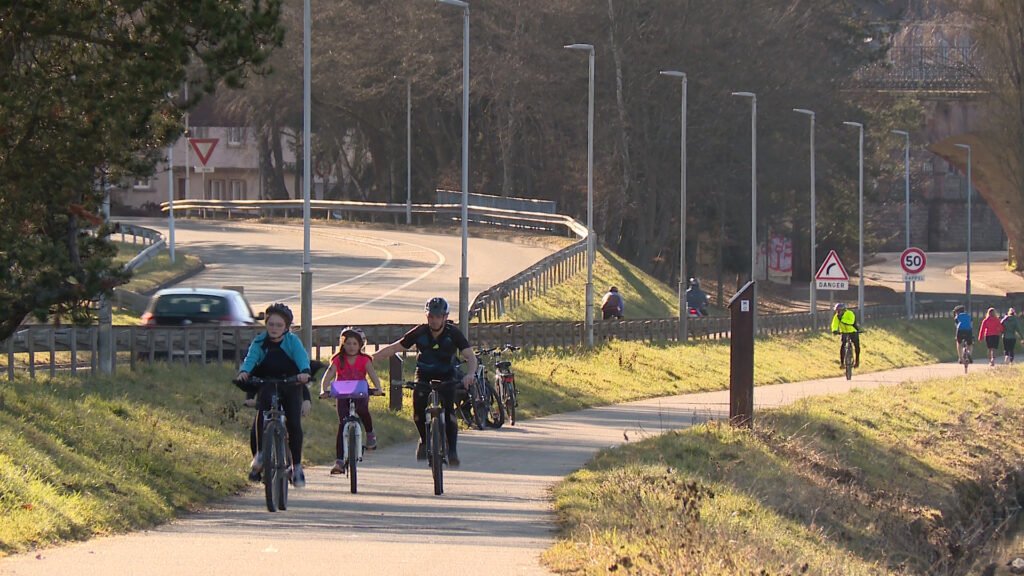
306	283
814	229
860	222
683	308
908	298
589	320
969	223
753	197
464	279
408	151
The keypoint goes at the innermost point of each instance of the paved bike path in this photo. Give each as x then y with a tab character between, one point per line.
495	514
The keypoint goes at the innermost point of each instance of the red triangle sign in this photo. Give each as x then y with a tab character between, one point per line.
832	269
203	147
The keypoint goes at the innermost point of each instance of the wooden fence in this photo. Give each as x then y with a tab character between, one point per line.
49	350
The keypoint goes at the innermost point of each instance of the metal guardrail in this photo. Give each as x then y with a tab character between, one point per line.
34	350
140	234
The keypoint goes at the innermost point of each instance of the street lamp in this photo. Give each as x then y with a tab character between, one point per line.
753	198
860	223
306	283
408	151
814	258
464	279
969	223
906	177
589	320
683	308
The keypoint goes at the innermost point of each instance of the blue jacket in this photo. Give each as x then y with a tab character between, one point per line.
292	346
963	322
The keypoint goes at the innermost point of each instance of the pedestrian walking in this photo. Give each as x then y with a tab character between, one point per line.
990	331
1011	330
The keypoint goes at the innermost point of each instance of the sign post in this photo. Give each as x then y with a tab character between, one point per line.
913	261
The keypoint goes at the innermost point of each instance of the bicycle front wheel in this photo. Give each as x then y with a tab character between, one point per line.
479	406
281	478
436	454
509	400
354	449
848	361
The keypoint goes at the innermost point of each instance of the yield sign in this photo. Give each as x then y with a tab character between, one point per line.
832	269
203	147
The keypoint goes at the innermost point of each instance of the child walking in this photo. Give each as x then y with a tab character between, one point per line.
990	331
351	363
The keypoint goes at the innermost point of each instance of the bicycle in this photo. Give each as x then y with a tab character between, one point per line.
505	382
964	353
352	427
436	439
277	458
480	408
847	354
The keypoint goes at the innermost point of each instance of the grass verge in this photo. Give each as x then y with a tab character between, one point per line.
905	480
86	457
646	297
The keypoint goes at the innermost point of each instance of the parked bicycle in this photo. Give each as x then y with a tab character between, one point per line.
352	427
505	381
480	406
436	440
277	458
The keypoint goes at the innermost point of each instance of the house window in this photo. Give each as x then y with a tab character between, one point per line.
237	188
236	136
142	184
216	190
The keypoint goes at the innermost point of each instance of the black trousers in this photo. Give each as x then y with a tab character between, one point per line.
420	401
291	401
855	338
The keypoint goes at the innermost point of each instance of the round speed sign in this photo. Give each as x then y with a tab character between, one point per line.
913	260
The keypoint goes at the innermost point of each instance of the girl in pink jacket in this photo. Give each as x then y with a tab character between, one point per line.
991	328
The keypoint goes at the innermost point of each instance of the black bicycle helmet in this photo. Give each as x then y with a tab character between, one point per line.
281	310
437	306
357	333
839	306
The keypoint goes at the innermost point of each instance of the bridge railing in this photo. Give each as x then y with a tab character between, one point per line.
936	67
35	350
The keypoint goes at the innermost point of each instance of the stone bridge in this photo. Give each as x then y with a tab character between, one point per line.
950	84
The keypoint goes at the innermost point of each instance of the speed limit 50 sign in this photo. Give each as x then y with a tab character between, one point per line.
913	261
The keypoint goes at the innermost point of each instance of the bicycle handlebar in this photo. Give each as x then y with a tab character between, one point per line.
433	384
326	394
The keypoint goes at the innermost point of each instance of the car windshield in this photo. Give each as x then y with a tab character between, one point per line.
191	306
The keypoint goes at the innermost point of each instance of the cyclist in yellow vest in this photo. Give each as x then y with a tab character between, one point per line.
845	322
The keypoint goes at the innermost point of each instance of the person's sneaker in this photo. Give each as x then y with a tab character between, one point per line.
453	459
339	467
992	362
371	441
255	468
421	451
298	478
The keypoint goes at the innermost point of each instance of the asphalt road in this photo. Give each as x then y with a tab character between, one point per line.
359	276
494	518
945	273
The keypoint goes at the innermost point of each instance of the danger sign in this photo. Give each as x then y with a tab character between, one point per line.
832	275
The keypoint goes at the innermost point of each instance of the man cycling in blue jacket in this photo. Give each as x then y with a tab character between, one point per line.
278	353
